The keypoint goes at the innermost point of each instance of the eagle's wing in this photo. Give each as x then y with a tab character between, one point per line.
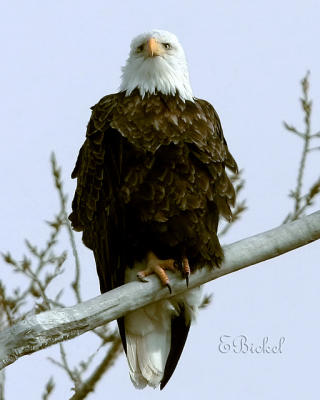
214	154
180	326
207	143
218	148
95	209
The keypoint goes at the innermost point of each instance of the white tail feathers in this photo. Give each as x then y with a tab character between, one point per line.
148	334
148	345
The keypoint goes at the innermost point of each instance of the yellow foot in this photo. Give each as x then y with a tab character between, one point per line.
158	267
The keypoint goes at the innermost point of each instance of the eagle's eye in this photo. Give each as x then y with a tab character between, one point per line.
167	45
140	48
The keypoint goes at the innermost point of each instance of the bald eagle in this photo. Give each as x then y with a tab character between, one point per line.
151	186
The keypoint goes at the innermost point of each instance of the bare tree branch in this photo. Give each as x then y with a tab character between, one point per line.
42	330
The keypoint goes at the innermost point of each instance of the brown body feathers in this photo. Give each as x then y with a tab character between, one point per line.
151	177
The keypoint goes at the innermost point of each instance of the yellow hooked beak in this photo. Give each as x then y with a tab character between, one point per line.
154	48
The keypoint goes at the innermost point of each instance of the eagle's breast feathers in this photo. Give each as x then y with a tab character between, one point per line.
170	145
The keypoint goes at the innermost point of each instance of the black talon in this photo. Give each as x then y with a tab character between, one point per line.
185	268
169	287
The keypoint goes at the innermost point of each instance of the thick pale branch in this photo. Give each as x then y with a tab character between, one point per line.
39	331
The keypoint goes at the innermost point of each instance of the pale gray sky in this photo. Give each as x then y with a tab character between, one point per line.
247	58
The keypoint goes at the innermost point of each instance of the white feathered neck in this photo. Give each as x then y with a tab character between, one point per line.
167	74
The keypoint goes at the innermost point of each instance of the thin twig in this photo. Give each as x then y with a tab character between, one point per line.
90	384
58	183
48	389
306	105
66	367
5	306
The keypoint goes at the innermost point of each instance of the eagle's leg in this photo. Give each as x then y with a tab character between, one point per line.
186	269
158	267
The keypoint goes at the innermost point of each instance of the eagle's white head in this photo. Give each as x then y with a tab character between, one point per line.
156	63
